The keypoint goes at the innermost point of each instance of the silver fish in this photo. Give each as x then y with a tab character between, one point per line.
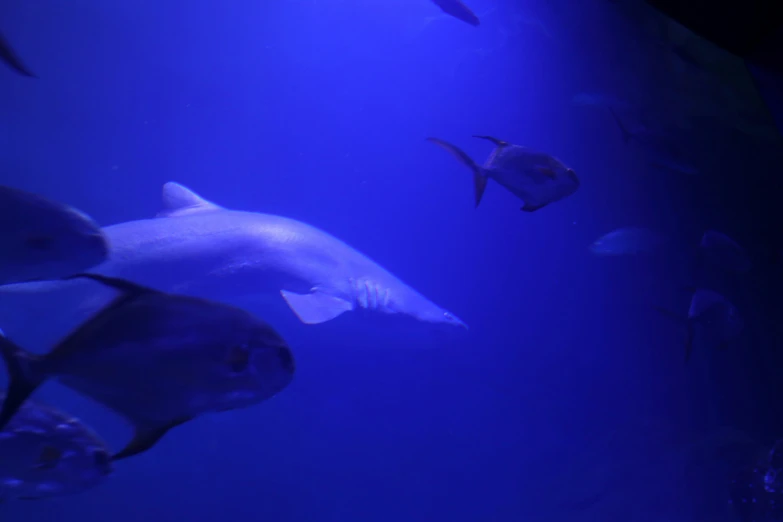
159	360
46	453
535	177
716	318
627	241
43	239
661	150
719	249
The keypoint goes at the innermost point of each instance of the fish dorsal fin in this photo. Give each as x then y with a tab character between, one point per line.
121	285
497	142
179	200
128	291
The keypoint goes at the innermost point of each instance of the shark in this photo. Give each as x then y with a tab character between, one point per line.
198	248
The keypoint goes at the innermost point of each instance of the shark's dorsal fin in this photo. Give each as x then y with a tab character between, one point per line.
179	200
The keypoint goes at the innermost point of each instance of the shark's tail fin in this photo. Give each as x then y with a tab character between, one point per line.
625	133
479	173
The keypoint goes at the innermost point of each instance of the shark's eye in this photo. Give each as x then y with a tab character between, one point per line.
49	457
238	358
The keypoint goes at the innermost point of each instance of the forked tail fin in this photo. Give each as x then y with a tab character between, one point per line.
479	173
11	59
23	375
683	320
625	133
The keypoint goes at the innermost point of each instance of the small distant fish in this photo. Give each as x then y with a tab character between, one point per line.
627	241
536	178
458	10
716	318
44	239
756	490
719	249
773	478
661	152
11	59
158	359
749	499
47	453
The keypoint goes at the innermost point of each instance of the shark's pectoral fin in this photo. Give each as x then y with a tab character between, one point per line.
316	307
530	207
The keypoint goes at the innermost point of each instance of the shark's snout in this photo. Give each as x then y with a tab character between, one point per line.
452	319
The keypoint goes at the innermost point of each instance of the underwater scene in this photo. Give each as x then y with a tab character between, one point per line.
385	260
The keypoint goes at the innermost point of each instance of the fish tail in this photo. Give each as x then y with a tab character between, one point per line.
8	55
671	315
626	135
698	262
479	173
765	66
679	318
689	341
24	377
458	10
497	142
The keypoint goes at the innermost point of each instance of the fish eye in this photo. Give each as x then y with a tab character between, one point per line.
238	358
41	243
49	457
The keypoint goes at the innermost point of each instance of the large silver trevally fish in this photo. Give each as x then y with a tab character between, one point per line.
46	453
157	359
42	239
535	177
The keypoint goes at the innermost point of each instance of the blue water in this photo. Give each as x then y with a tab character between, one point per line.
566	400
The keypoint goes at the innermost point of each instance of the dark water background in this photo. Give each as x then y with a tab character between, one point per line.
568	398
